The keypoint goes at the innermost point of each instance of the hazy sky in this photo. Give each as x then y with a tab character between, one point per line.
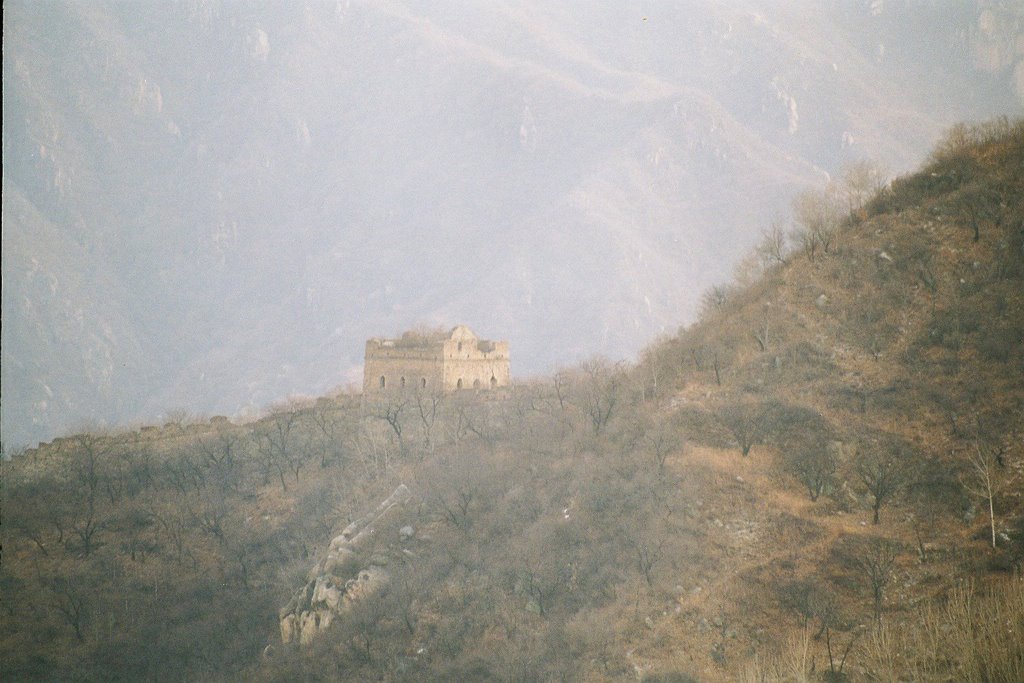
211	205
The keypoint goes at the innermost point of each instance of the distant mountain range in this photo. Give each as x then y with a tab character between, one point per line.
210	205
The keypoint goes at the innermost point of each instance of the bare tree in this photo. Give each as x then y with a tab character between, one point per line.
715	299
132	525
978	205
662	439
811	600
278	445
219	452
391	411
428	405
208	512
762	331
600	390
562	385
817	221
33	510
364	628
774	246
402	594
71	600
982	479
926	272
327	429
456	505
83	490
373	447
876	562
180	418
814	465
862	180
559	399
174	522
184	473
654	365
885	472
543	578
746	421
459	488
648	554
457	423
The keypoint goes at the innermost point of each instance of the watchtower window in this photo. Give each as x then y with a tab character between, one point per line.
458	385
423	383
382	381
476	384
460	346
401	382
494	381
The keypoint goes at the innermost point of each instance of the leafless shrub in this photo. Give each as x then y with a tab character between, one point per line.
747	421
971	637
885	471
794	663
715	299
814	465
774	247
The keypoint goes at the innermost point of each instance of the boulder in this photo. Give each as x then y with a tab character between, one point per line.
319	589
287	628
307	627
326	617
336	581
333	597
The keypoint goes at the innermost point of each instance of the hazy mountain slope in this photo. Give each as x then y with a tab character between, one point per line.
265	186
60	301
703	514
648	546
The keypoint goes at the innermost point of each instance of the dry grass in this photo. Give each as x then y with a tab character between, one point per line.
795	663
972	637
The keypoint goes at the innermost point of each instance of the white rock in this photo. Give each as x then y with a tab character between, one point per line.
307	627
288	629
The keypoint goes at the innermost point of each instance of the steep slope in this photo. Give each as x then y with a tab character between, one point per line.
894	353
708	513
912	306
263	187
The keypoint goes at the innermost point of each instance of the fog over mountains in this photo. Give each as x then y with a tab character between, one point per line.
211	205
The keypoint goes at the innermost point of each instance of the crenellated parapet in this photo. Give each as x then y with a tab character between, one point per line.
435	362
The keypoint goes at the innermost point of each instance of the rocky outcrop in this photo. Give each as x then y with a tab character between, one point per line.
352	570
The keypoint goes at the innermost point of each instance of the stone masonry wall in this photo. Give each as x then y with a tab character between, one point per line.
456	362
476	369
401	368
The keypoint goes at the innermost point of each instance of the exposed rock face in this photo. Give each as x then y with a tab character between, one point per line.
342	577
997	42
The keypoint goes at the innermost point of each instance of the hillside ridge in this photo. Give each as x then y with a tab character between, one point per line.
210	207
819	479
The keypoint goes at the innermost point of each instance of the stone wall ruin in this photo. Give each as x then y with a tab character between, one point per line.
432	362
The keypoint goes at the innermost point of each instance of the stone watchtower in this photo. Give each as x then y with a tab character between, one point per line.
435	361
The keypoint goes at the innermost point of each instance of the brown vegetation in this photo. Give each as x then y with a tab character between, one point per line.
786	490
